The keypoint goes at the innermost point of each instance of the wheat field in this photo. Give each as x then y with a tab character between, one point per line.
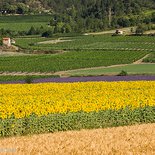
129	140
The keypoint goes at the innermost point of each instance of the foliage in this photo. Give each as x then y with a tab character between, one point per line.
28	79
83	16
41	108
144	27
123	73
75	121
150	58
47	34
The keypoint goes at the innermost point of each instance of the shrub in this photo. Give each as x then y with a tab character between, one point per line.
47	34
28	79
123	73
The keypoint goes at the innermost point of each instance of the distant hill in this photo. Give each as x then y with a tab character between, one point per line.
83	15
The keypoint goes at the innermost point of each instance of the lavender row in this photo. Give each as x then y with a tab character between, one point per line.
87	79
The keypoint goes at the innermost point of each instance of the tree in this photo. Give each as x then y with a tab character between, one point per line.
32	31
12	9
140	29
47	34
22	8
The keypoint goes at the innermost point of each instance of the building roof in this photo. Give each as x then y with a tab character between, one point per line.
6	38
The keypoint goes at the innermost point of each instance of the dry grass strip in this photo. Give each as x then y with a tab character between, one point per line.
131	140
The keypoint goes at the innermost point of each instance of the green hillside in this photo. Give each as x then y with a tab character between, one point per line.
79	16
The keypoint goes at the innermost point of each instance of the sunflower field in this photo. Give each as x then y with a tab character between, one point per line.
50	107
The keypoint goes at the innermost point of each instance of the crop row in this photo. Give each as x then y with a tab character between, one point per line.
92	42
68	60
150	58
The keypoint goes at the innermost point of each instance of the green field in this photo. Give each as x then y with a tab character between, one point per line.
81	52
92	42
68	60
23	26
150	58
23	23
130	69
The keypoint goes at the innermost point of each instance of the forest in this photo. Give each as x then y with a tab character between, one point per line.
85	15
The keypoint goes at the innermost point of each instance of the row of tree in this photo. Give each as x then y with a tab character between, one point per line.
46	32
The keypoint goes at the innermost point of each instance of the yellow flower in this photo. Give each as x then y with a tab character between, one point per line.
43	99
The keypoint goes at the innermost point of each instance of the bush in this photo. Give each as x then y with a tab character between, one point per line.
123	73
47	34
28	79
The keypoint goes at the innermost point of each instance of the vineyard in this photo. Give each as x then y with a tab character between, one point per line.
94	42
150	59
68	60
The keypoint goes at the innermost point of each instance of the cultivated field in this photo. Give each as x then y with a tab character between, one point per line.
150	58
24	22
94	54
68	60
138	139
95	42
133	69
41	108
57	114
51	107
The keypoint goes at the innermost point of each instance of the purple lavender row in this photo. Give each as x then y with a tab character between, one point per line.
87	79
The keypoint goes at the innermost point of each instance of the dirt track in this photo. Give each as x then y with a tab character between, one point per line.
139	139
59	40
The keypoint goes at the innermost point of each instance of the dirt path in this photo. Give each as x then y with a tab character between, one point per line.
140	61
12	53
59	40
64	73
25	73
126	30
150	31
138	139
